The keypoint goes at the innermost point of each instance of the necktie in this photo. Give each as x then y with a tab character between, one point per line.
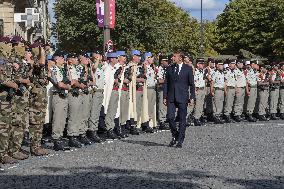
176	71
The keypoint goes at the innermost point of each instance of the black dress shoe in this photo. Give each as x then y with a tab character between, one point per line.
59	145
84	140
250	118
179	145
134	131
227	119
147	129
173	142
238	118
273	117
74	142
111	135
197	123
92	135
262	118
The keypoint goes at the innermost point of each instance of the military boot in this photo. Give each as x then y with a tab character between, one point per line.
262	118
74	142
84	140
111	135
59	145
227	119
120	132
250	118
39	151
282	116
197	123
273	117
238	118
92	135
146	128
20	156
8	160
134	131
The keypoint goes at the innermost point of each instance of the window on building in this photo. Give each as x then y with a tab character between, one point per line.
1	27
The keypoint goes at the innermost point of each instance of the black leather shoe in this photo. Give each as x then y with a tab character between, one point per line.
74	142
59	145
84	140
179	145
111	135
227	119
92	135
262	118
250	118
238	118
273	117
134	131
147	129
197	123
173	142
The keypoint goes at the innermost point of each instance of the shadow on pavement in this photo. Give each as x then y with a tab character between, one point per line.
105	177
143	143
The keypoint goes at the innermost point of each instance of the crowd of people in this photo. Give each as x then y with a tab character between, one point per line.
90	98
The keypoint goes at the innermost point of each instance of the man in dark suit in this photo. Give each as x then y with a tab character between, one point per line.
179	78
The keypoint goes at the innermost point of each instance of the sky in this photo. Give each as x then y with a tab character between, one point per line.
211	7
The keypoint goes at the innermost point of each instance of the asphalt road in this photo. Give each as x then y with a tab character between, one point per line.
216	156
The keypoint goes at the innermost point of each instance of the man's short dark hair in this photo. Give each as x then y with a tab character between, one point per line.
182	54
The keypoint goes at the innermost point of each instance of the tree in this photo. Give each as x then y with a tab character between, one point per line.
254	25
157	26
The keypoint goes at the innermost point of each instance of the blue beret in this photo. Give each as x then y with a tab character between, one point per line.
135	52
148	54
120	53
112	55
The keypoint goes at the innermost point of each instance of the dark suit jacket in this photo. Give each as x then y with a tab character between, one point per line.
176	89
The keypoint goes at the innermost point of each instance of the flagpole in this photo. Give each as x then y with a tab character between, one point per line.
106	23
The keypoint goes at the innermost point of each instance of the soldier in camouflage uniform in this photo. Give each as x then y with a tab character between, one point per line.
7	86
37	103
21	71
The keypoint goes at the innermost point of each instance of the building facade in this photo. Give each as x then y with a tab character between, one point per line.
8	9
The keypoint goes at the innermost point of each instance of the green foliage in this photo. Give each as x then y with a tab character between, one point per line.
254	25
157	26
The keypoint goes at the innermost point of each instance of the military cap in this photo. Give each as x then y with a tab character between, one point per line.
17	39
240	61
112	55
281	64
247	62
5	39
164	58
254	62
232	61
200	60
219	62
147	55
84	54
72	55
58	53
135	52
35	45
97	52
274	64
211	60
121	53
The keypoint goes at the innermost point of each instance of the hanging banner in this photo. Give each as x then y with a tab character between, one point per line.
100	4
111	13
100	12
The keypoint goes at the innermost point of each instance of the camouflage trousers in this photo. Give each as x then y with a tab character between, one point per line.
6	131
19	114
37	110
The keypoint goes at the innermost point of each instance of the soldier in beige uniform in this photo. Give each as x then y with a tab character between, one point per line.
230	91
162	109
218	87
208	106
251	90
241	85
263	92
281	106
274	79
200	91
